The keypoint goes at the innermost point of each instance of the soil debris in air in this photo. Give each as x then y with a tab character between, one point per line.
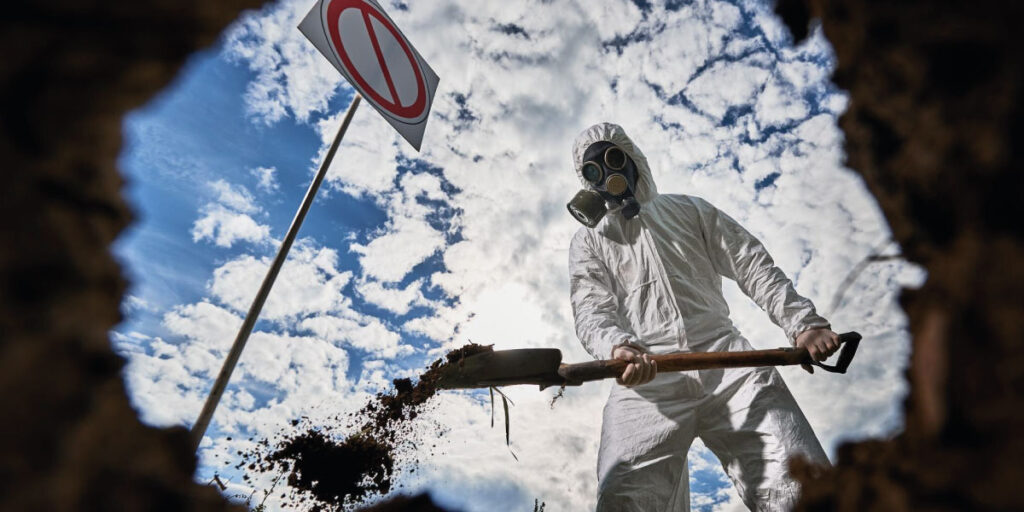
336	471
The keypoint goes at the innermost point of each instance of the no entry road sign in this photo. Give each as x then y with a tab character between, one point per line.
364	44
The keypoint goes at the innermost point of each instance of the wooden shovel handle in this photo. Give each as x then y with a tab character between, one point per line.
686	361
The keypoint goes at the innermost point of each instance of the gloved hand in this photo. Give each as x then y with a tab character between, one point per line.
641	369
820	343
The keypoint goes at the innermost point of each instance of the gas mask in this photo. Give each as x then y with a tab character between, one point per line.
611	177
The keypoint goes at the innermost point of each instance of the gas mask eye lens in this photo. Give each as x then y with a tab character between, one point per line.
614	158
592	172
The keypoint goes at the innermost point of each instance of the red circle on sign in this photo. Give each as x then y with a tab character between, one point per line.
334	10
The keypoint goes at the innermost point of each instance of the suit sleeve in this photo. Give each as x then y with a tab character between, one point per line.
740	256
595	307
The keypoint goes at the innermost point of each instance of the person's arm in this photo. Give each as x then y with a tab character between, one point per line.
738	255
599	326
595	307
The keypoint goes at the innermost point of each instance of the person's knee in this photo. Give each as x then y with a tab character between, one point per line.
781	496
627	500
612	492
654	486
612	477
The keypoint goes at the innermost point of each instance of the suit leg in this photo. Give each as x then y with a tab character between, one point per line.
754	426
642	458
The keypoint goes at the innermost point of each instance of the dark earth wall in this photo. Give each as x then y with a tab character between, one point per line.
69	439
934	127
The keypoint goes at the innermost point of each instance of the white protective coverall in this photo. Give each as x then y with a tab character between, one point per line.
655	281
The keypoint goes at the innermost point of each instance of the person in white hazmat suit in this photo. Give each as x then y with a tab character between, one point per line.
646	279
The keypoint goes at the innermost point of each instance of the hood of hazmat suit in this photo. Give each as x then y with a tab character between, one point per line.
655	282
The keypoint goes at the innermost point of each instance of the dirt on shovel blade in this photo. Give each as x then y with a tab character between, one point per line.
335	471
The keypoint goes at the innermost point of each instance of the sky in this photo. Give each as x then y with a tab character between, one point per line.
405	255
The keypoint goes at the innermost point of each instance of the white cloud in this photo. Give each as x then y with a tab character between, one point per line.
441	326
476	471
367	155
133	303
733	502
776	105
407	240
395	299
163	389
224	227
309	283
392	255
266	178
228	219
726	84
295	367
206	324
291	78
169	382
308	296
367	334
235	197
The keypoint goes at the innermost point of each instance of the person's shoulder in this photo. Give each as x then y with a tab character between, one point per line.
581	236
685	201
583	244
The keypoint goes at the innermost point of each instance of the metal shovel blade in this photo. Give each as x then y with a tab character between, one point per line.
502	368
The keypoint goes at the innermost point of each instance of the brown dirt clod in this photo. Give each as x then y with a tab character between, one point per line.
337	471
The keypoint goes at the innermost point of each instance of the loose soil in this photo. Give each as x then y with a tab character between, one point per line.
331	471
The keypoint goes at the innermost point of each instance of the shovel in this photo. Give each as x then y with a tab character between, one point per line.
544	367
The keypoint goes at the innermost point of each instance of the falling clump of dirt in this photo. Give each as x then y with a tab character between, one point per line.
418	503
315	462
337	471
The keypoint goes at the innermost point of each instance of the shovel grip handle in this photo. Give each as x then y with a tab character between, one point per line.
578	373
850	341
688	361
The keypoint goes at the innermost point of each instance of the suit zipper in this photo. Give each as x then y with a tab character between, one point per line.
680	329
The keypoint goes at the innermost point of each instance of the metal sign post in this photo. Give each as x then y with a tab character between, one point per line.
366	47
199	428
